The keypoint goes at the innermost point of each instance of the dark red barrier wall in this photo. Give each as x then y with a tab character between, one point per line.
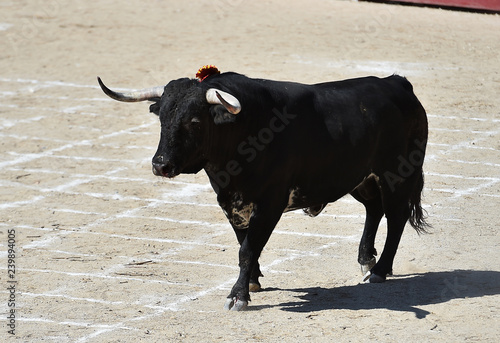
489	5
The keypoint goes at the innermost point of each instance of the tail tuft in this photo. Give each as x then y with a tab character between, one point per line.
418	215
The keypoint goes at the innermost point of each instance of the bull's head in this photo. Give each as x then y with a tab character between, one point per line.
187	111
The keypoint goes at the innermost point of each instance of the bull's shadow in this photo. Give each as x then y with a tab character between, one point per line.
399	293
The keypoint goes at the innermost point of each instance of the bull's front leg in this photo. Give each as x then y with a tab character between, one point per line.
261	225
254	284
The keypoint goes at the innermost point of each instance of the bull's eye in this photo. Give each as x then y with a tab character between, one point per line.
195	120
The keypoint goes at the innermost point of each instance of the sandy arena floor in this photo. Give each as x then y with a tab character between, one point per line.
107	252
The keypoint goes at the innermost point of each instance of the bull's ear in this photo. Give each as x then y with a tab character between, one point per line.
221	115
226	106
155	108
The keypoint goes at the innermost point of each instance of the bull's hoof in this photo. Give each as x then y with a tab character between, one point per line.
235	304
373	278
365	268
254	287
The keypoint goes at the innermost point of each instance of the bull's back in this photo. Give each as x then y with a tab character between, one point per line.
349	128
361	110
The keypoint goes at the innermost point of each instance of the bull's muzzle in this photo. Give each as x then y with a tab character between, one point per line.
165	170
158	169
162	168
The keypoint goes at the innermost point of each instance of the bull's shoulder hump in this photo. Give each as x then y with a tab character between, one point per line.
399	81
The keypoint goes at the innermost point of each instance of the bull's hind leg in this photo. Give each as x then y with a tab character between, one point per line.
368	194
397	211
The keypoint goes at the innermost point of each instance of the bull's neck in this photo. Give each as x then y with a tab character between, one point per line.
221	149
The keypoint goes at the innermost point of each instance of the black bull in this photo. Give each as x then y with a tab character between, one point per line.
269	147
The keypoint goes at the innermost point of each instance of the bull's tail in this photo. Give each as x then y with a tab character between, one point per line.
418	215
417	149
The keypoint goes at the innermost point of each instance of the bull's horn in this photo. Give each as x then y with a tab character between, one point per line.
218	97
139	95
